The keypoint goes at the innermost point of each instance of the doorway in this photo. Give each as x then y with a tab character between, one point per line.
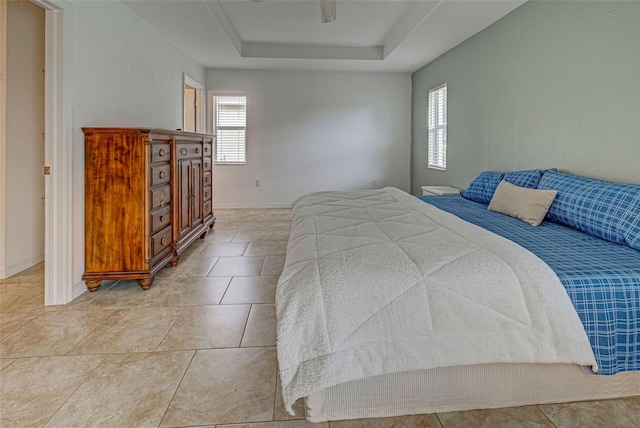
24	191
58	233
194	118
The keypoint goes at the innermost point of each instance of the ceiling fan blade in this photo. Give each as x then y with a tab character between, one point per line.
328	10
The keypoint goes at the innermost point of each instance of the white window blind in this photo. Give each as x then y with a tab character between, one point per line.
437	126
230	128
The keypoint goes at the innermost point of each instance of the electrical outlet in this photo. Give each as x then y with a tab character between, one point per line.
258	183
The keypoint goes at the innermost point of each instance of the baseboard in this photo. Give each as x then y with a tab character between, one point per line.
78	289
249	206
9	271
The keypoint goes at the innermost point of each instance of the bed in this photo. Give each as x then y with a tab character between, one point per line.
393	305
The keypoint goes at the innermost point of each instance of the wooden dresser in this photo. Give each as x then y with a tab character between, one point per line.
147	197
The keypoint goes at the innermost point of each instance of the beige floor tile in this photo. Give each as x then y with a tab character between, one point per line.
217	249
198	266
259	235
278	424
33	274
32	389
237	266
251	289
280	235
5	362
410	421
606	413
242	226
267	248
274	225
52	333
21	296
201	327
516	417
221	235
129	330
225	386
126	390
13	321
273	265
188	291
129	294
279	413
261	326
276	216
240	214
194	248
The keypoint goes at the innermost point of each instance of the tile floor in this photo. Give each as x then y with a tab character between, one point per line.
197	349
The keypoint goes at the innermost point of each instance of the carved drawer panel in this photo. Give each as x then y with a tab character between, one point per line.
207	179
207	193
160	219
160	196
160	153
207	149
206	162
188	150
160	174
207	208
160	241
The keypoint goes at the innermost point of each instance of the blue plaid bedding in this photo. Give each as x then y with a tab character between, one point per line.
601	278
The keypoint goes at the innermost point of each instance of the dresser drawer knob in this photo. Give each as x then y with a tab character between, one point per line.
197	150
164	240
161	152
162	202
161	219
183	151
162	174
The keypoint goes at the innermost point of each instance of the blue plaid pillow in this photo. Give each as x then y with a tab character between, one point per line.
630	225
528	178
606	210
482	188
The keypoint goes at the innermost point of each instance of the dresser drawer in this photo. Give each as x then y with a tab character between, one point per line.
160	174
206	178
160	219
160	153
160	196
160	241
206	193
188	150
207	149
206	163
207	208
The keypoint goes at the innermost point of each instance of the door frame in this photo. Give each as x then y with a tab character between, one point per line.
199	98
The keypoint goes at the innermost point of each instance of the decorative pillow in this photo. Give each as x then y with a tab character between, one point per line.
528	178
482	188
606	210
528	205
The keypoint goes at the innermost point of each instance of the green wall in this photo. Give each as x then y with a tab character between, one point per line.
552	84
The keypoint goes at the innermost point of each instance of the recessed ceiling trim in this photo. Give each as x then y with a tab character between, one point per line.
302	51
408	22
217	12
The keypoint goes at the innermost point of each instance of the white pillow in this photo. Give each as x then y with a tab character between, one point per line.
528	205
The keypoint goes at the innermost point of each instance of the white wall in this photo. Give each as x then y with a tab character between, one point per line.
552	84
23	174
125	74
310	131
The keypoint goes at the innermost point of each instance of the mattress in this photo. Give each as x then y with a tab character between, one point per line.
377	282
602	279
459	388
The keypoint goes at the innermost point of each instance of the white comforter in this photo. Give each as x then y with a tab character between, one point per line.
378	282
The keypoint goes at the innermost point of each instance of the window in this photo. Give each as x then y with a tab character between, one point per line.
437	126
230	118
